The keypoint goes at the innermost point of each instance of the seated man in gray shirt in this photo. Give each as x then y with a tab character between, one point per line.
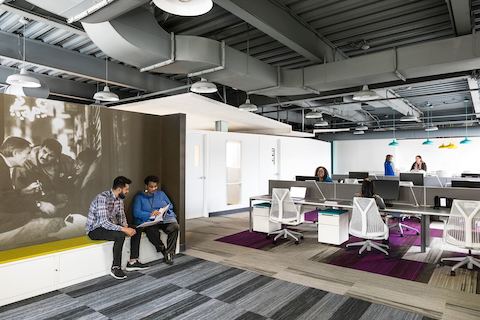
107	221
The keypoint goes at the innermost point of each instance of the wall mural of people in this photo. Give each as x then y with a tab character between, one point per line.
56	156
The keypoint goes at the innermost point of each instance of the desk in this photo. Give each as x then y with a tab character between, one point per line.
423	211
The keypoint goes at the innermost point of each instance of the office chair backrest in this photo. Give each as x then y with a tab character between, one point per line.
283	208
351	181
366	218
463	225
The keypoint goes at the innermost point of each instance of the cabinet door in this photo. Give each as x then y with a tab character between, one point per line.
27	278
84	263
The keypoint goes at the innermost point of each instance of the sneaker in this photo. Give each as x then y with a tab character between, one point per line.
168	258
117	273
136	266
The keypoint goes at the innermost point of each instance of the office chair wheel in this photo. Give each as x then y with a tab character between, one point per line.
452	273
401	235
302	237
297	242
439	264
268	236
385	241
274	241
418	233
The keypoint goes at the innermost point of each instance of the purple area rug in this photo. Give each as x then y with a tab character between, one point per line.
374	261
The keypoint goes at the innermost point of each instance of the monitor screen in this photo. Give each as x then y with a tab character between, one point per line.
298	192
470	175
465	184
387	189
358	175
416	178
307	178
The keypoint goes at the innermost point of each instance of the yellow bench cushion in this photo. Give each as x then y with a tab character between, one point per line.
46	248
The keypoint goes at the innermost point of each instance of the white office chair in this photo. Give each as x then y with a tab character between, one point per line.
463	230
367	223
285	212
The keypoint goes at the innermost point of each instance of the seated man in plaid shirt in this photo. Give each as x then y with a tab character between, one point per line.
107	221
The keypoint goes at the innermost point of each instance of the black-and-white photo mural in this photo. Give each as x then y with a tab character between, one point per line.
56	156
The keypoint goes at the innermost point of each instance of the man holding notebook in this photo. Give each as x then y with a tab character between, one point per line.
153	208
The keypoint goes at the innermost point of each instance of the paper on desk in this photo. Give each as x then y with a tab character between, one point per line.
155	219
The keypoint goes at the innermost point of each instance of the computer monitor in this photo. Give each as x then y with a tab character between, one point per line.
416	178
306	178
358	175
470	175
387	189
465	184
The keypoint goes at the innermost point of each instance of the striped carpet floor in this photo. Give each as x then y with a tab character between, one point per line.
196	289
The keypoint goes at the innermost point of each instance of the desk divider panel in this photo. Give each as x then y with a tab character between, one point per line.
455	193
346	191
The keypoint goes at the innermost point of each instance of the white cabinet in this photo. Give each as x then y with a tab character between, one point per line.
261	222
332	228
27	278
82	264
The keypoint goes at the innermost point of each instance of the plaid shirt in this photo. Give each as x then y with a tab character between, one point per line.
106	211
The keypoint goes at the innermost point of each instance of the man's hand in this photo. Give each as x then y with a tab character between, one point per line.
31	189
46	207
155	213
128	231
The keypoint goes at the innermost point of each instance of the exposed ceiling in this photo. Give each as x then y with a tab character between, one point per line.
296	35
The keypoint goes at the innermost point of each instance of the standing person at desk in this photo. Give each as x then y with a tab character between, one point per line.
418	164
388	165
322	174
368	192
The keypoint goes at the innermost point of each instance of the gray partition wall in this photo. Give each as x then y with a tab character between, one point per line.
313	187
455	193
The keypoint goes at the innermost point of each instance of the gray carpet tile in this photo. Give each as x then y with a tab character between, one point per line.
195	289
325	308
212	309
82	312
250	316
379	312
352	309
244	289
178	308
213	280
299	305
229	284
97	284
43	309
269	298
31	301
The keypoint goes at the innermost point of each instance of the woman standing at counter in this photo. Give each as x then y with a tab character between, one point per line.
388	165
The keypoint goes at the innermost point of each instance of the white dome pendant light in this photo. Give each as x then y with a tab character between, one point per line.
247	105
188	8
106	94
23	79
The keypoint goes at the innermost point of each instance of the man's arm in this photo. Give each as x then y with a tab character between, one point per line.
167	200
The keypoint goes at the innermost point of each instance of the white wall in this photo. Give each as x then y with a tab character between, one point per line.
264	158
369	155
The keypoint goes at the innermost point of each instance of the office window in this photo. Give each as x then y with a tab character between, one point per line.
234	172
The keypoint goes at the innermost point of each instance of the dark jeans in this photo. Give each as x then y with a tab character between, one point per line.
153	234
117	236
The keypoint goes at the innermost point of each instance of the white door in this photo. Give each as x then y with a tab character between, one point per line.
195	176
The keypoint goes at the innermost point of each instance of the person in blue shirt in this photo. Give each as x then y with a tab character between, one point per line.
388	165
147	204
322	174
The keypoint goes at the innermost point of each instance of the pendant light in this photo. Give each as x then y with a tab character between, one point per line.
358	132
247	105
361	127
106	94
187	8
365	95
203	86
428	142
314	114
409	118
23	79
394	142
466	140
